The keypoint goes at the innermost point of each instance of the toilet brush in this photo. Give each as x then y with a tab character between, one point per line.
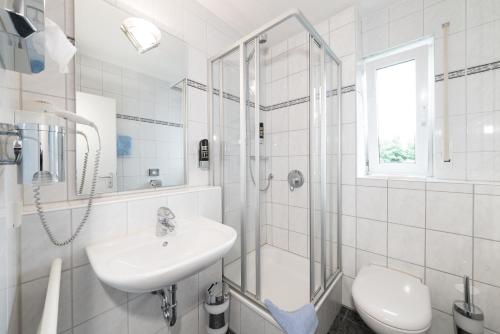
467	317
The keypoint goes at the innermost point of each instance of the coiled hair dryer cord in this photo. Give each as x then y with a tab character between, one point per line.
41	213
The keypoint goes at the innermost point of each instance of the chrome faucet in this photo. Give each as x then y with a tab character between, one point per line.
166	222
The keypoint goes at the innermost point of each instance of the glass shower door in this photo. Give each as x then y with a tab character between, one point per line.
315	163
226	141
253	158
332	166
324	167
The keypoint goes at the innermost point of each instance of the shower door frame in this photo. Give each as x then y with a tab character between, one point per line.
241	46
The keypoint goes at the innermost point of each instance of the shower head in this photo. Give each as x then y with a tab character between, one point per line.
262	40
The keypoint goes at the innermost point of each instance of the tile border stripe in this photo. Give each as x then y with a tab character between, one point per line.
148	120
469	71
333	92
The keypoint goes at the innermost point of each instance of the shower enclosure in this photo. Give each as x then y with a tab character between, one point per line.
275	147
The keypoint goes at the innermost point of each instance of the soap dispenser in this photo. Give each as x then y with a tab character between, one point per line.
467	317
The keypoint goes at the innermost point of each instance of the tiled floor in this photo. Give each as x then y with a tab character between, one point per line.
349	322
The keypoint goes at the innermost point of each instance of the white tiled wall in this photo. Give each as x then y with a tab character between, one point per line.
473	99
286	68
9	251
88	305
103	310
435	230
438	231
10	214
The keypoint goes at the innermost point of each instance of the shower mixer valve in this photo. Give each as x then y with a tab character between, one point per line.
295	179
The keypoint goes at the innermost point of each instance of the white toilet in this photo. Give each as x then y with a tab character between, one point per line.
392	302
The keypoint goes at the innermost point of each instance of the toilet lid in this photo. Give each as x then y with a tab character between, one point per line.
393	298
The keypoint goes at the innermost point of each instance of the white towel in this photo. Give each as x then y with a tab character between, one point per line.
57	46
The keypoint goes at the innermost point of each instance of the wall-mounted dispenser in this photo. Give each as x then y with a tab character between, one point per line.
203	156
261	133
21	38
36	145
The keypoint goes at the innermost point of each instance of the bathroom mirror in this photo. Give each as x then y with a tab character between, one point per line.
133	89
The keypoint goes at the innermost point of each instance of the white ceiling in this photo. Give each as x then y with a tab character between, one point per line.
247	15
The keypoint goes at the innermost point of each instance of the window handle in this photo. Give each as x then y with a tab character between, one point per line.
423	116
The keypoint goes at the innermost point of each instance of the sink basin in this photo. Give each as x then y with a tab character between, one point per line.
144	262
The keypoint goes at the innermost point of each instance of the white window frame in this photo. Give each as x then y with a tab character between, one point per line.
422	53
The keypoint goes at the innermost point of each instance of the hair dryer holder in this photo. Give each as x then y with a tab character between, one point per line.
37	150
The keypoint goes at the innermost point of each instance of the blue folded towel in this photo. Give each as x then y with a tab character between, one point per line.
123	145
301	321
37	65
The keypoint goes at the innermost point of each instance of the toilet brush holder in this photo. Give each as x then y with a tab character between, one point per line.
467	318
217	306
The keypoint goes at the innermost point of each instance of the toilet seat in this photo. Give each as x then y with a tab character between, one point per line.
392	300
380	327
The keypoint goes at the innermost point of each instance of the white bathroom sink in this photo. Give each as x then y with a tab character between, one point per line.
145	262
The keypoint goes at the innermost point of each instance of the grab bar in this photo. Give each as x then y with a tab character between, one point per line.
48	323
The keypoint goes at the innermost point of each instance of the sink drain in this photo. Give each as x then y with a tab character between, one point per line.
165	244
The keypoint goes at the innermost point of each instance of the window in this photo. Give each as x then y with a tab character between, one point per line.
399	87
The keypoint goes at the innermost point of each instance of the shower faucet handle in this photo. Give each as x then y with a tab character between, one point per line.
295	179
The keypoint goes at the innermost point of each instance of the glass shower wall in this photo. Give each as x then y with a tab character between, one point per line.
274	111
225	149
284	94
315	119
332	196
253	171
324	118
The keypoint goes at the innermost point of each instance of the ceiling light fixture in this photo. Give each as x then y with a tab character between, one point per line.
143	34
